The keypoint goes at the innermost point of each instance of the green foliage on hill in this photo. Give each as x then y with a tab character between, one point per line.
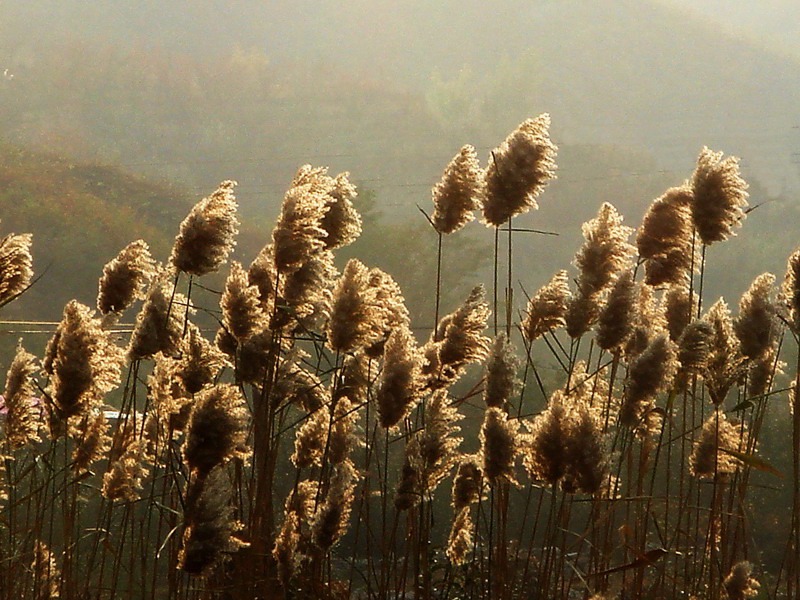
80	216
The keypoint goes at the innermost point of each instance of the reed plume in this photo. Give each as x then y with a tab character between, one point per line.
46	574
678	310
725	363
16	266
86	364
437	446
790	292
168	397
467	482
308	294
585	451
126	468
615	321
755	327
309	443
408	493
330	520
342	438
23	419
648	322
499	446
739	585
341	222
399	384
460	541
256	355
457	341
295	384
501	373
94	442
545	456
547	308
241	309
604	253
694	346
124	278
367	305
208	233
459	192
664	239
217	429
719	196
519	169
200	361
208	537
708	457
159	324
298	234
263	274
650	373
354	379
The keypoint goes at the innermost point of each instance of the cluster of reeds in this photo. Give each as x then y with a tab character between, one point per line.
310	445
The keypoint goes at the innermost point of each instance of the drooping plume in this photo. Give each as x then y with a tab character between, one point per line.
217	429
159	324
399	385
499	446
546	449
719	196
518	171
124	278
16	266
547	308
208	234
458	193
664	239
709	457
86	364
755	327
241	310
457	341
208	537
501	373
23	419
308	294
298	234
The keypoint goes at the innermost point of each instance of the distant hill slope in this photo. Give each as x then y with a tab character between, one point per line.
80	216
631	72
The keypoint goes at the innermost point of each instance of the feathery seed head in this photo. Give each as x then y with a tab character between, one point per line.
298	234
708	457
615	322
217	429
650	373
241	309
22	420
547	309
499	446
459	192
756	326
207	235
519	169
739	585
399	385
501	372
719	196
790	291
16	266
124	278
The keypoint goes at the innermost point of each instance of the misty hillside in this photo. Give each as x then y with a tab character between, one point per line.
622	72
80	216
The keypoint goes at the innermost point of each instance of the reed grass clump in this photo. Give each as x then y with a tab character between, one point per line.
295	435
